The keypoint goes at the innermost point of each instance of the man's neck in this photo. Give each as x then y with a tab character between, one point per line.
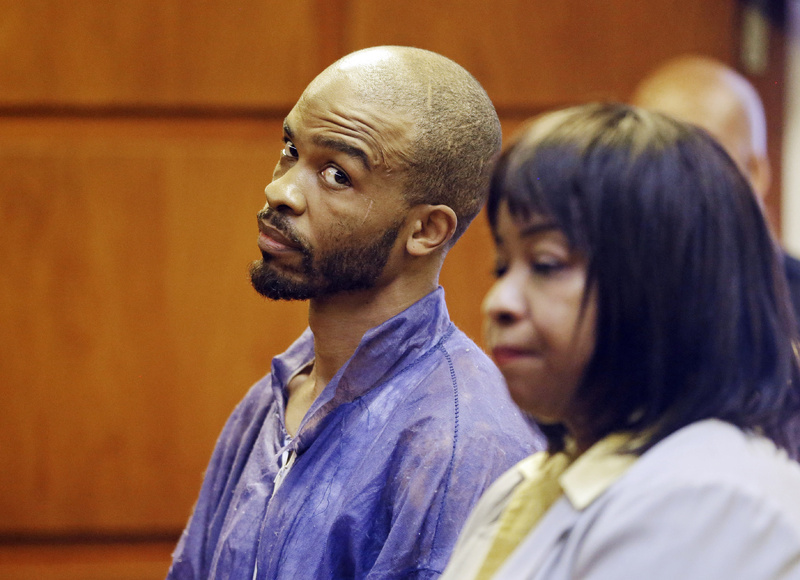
340	322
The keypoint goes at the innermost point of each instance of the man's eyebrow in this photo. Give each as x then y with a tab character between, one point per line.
336	145
346	148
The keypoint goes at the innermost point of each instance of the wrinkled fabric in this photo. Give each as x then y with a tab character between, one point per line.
390	459
708	502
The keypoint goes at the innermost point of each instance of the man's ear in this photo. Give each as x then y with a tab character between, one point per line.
432	227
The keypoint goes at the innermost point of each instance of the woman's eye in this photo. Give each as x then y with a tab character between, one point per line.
546	267
289	150
335	177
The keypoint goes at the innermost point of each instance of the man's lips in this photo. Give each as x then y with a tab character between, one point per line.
508	354
271	240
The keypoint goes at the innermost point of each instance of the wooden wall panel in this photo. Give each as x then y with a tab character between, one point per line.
467	276
157	52
129	324
135	561
129	327
772	89
538	54
135	141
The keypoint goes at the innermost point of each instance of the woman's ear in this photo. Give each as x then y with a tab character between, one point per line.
432	227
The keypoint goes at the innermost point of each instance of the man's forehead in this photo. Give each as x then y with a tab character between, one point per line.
716	109
368	85
336	109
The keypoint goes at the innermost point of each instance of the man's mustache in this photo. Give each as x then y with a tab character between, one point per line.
281	223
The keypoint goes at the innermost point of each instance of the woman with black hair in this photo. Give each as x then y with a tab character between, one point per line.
641	317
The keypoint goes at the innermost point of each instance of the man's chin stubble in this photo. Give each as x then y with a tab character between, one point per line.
267	282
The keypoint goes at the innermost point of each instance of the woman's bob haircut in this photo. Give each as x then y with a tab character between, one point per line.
693	314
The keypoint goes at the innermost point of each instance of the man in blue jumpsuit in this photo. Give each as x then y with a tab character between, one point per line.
362	452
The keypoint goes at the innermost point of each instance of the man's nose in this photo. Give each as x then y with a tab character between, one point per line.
284	193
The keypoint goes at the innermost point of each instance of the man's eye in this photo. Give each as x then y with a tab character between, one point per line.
289	150
335	177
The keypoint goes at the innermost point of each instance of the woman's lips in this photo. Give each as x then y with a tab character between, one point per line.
504	355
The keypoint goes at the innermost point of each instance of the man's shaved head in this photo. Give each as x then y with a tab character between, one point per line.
713	96
454	130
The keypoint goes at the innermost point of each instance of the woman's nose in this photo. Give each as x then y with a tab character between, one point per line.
505	301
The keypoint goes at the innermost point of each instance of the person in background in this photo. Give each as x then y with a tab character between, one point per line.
361	453
650	337
712	95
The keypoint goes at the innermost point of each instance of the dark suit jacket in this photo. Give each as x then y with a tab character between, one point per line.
793	277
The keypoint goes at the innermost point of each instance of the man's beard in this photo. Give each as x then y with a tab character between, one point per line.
352	265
